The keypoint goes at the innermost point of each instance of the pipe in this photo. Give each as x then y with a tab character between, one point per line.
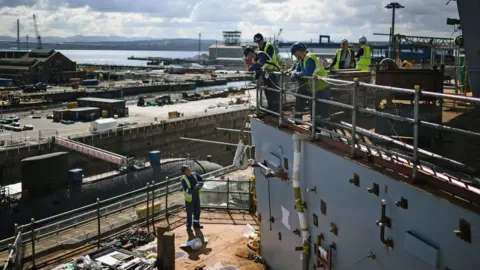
297	145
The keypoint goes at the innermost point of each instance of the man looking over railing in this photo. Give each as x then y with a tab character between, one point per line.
309	66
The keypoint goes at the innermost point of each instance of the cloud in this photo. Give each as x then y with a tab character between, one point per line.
300	20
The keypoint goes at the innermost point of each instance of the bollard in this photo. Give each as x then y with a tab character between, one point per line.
354	117
416	124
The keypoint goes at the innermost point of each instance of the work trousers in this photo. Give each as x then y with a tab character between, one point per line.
273	98
322	110
193	209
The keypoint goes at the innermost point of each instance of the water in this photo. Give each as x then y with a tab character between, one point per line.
121	57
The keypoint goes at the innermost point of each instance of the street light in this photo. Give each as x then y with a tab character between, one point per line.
393	6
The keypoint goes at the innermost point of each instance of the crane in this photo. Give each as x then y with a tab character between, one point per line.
276	38
39	38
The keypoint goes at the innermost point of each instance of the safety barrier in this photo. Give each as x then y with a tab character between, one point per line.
118	213
461	182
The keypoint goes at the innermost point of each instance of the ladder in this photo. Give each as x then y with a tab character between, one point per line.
92	151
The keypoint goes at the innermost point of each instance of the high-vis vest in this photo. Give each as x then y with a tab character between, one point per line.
269	64
273	58
364	61
348	60
319	71
188	196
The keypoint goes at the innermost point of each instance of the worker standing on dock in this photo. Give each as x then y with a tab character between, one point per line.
263	63
192	184
309	66
363	55
344	59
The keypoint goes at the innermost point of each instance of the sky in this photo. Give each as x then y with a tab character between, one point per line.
301	20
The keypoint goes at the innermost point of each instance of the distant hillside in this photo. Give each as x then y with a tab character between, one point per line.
110	43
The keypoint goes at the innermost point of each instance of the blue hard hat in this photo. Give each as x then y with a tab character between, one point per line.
248	50
298	46
184	168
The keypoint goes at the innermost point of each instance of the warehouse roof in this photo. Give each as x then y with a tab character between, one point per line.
82	109
103	100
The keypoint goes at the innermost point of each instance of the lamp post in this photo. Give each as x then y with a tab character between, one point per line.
393	6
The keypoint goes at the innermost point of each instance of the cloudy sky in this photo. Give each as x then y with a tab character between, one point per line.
300	19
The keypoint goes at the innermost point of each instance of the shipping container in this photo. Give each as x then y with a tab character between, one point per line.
86	114
72	105
6	82
90	82
103	125
59	115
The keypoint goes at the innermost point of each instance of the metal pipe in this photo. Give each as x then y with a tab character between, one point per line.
416	123
148	202
153	207
32	227
280	105
314	110
297	148
166	196
233	130
99	237
354	117
207	141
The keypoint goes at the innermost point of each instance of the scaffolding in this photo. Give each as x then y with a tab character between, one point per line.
232	38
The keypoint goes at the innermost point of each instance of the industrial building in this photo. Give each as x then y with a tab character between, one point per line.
47	66
230	49
85	114
108	107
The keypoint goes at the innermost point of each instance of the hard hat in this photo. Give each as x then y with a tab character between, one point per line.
298	46
343	41
362	39
184	168
258	37
248	50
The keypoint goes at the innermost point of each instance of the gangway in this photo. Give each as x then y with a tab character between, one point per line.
93	151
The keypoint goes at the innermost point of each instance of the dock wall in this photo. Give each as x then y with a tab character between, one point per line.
137	142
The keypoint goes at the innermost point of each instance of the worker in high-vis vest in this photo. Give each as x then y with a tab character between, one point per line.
270	79
192	184
263	63
363	55
310	66
344	58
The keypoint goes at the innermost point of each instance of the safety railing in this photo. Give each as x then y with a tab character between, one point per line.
15	254
317	125
138	207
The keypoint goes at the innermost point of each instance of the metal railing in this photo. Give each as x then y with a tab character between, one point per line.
122	212
412	159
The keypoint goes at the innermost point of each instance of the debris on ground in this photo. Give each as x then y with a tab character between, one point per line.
136	237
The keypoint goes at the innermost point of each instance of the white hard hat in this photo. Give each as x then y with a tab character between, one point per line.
343	41
362	39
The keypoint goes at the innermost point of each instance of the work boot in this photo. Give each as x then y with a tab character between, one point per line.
189	229
197	226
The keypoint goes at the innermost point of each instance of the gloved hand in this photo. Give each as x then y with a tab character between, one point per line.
197	187
293	77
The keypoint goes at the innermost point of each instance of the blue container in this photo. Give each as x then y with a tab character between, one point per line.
154	157
90	82
6	82
75	177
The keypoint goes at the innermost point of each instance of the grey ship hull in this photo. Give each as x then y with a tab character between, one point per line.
423	235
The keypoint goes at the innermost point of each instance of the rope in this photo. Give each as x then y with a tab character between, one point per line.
369	256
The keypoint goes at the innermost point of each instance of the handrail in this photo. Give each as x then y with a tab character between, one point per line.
112	200
354	142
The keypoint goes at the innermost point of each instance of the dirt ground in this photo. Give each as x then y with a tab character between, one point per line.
225	241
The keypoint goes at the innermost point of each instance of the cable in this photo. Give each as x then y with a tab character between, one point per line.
369	256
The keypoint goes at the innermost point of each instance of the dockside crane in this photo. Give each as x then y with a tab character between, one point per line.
276	38
37	34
